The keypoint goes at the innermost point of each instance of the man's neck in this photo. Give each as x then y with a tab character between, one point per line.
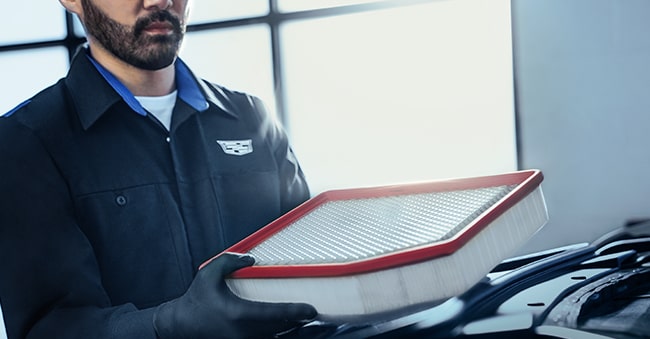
139	81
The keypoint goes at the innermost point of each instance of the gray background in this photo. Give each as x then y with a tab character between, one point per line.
582	81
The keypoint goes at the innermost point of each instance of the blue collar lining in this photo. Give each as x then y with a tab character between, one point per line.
188	89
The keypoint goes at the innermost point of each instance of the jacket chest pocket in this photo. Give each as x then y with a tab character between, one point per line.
140	255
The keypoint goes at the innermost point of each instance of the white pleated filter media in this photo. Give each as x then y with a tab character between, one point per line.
350	230
367	251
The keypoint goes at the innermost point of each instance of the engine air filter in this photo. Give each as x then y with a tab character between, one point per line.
368	250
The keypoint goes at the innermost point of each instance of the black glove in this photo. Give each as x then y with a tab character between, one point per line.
210	310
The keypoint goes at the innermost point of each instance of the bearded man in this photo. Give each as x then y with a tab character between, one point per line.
115	189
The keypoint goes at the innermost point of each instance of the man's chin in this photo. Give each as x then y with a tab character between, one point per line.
154	65
159	58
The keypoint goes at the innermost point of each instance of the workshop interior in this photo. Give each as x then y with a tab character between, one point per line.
400	93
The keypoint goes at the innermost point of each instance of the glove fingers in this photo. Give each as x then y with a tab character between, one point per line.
225	264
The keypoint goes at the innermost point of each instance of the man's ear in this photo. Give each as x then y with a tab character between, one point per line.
73	6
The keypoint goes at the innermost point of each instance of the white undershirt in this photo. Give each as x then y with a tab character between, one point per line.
161	107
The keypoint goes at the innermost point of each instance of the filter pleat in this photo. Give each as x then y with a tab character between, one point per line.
354	229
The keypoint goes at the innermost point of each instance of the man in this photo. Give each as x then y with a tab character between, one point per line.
121	179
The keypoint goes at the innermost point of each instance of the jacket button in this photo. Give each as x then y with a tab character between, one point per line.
120	200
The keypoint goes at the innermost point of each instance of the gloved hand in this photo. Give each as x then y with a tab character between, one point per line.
210	310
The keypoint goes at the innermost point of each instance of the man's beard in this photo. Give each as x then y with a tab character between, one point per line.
129	43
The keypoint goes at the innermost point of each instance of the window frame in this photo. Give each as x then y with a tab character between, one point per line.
274	19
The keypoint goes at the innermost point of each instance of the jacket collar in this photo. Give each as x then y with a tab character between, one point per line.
94	90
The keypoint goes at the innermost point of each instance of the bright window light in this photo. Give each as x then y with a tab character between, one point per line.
300	5
3	333
237	58
407	94
33	20
29	71
211	10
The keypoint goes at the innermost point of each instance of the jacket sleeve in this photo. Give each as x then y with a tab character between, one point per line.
50	286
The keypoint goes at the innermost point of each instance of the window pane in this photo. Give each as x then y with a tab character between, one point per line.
32	20
77	27
24	73
300	5
415	93
237	58
211	10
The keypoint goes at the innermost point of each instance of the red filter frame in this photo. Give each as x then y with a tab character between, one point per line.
516	186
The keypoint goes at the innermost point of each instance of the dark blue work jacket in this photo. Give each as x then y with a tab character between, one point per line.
104	214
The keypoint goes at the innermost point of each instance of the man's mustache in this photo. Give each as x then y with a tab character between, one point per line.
161	16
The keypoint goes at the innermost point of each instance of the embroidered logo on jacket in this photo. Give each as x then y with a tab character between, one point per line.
236	147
